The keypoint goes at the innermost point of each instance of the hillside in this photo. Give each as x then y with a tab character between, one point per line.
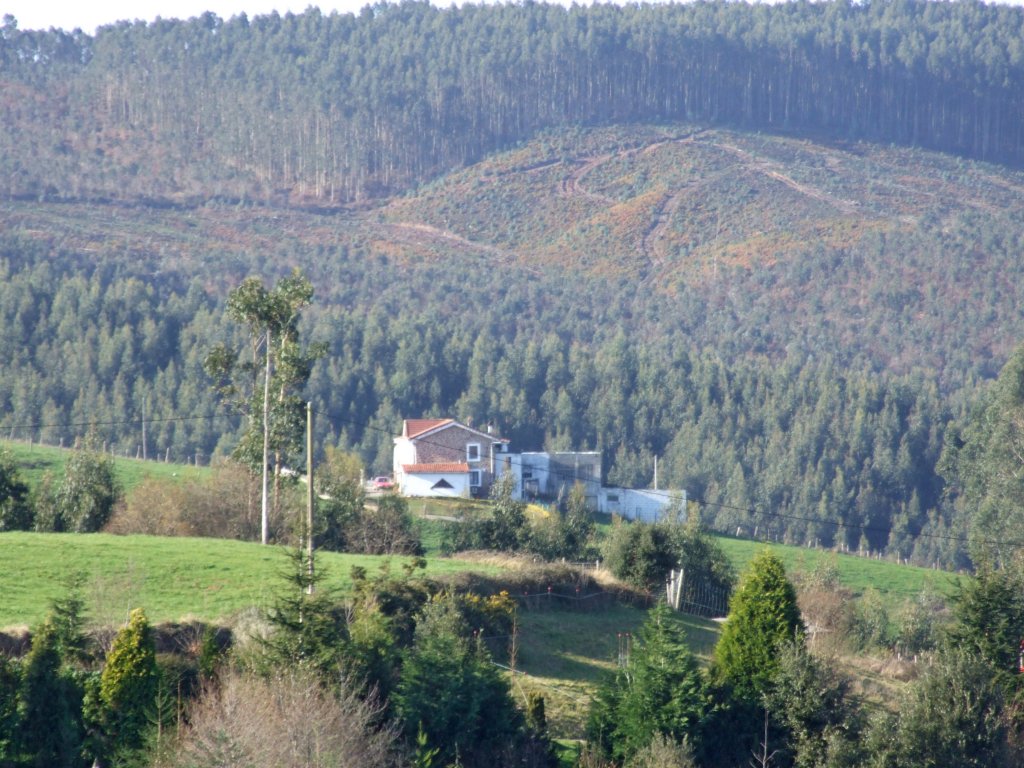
895	259
774	246
366	105
682	291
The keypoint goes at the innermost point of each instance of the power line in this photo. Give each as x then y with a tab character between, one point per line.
565	475
750	511
116	422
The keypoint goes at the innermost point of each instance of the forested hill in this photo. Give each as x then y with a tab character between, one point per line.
328	109
789	325
719	234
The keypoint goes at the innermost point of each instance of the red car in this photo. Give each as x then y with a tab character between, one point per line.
382	483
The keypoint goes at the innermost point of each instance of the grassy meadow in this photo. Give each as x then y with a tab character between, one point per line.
171	578
35	459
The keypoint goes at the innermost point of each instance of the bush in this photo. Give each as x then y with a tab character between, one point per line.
287	720
224	506
15	510
954	714
386	530
643	555
86	497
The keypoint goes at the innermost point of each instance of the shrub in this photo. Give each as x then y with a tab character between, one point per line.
286	720
225	505
15	510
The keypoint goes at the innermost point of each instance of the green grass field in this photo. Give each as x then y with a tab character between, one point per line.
34	460
896	583
171	578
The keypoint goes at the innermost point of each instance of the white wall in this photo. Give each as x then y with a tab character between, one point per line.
404	453
647	506
422	485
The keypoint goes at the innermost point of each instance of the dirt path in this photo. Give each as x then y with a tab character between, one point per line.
571	186
773	171
421	234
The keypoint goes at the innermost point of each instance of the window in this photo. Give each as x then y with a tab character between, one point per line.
441	484
474	478
473	452
613	498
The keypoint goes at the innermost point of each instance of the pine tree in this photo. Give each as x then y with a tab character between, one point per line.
763	614
661	691
49	706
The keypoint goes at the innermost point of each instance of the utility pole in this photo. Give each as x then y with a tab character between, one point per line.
144	428
309	493
265	538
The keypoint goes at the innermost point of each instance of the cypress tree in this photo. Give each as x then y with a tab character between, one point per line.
763	614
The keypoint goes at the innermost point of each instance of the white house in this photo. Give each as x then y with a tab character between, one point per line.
441	457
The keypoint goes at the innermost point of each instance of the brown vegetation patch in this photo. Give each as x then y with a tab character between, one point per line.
547	586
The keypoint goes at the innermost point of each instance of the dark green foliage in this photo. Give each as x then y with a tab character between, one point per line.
15	509
50	729
989	613
569	533
536	717
763	615
84	500
308	628
211	655
660	691
725	431
812	702
954	714
67	616
643	555
983	460
341	497
504	529
507	529
449	690
10	683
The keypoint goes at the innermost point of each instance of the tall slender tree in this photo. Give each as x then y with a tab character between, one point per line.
266	386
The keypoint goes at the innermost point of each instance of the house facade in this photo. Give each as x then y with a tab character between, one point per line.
551	475
441	457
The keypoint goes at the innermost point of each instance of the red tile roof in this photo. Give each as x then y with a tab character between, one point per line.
415	427
441	468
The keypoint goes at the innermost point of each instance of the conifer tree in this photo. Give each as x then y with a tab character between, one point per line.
661	691
49	706
763	614
122	701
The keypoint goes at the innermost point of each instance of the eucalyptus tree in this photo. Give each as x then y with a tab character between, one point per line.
264	387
